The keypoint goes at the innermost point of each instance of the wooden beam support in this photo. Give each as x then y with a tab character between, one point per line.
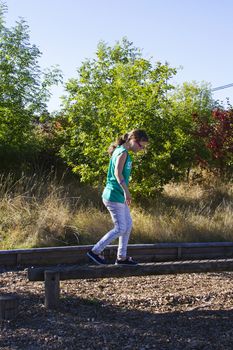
141	252
52	276
8	307
108	271
52	289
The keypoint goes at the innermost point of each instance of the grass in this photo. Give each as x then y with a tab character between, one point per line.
39	212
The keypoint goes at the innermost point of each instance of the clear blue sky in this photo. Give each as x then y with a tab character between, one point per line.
194	34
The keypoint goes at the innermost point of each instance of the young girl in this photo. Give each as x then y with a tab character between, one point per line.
117	198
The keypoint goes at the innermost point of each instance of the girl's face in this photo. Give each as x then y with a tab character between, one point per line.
137	146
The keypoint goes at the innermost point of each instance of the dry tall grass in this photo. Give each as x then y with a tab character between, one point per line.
46	212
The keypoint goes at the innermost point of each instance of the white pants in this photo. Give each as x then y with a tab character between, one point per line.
122	228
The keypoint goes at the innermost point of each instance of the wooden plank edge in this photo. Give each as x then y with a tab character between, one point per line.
114	271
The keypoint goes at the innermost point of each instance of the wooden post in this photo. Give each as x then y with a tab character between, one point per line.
52	289
8	307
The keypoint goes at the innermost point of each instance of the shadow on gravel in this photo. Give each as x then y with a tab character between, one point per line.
96	325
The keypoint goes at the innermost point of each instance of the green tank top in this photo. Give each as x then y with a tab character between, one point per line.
113	192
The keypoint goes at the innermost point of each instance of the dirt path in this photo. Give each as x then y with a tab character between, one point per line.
191	311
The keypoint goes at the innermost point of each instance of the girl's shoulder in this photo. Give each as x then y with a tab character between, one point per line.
119	150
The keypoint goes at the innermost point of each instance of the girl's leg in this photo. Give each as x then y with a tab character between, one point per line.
117	212
124	238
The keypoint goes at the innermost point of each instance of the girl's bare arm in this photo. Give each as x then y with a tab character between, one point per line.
118	173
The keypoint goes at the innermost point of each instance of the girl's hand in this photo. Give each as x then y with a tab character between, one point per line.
128	197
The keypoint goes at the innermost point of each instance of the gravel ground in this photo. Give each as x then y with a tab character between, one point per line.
176	312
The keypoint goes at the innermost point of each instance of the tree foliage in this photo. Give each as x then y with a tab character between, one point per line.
24	87
117	91
186	101
216	132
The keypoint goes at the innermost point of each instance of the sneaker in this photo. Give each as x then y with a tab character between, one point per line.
128	261
96	258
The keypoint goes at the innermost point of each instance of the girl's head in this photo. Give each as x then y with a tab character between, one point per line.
135	141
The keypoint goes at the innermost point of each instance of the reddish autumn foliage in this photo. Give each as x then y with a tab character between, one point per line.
216	133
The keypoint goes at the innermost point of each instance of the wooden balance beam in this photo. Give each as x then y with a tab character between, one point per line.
53	275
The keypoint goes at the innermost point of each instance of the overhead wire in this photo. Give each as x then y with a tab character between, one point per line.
222	87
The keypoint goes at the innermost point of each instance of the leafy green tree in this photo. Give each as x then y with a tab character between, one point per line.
24	88
117	91
186	103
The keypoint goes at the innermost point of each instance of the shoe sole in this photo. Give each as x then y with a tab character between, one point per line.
96	261
126	264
